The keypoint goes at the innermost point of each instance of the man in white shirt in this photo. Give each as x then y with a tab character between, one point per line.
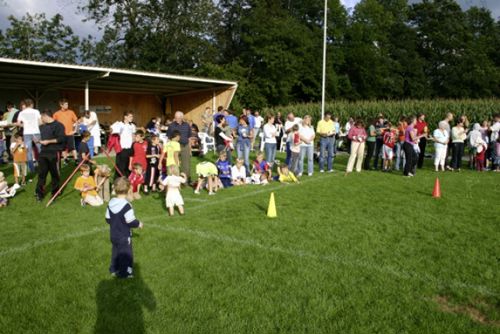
291	120
495	132
29	119
126	130
256	130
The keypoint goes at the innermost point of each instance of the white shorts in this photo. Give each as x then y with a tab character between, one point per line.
388	152
174	198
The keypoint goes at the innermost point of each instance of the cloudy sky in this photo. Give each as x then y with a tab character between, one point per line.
68	9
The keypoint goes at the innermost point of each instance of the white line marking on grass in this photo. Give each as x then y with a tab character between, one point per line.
39	243
387	269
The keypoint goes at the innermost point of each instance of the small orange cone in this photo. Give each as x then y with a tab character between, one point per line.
436	193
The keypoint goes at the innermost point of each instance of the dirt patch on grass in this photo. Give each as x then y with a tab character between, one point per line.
472	312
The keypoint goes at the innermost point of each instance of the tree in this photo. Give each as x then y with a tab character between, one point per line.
34	37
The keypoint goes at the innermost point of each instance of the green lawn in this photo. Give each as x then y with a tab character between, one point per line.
368	253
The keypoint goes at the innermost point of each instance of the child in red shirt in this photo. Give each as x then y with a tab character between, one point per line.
136	179
389	139
139	151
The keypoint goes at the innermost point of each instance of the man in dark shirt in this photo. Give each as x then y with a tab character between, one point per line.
185	131
52	138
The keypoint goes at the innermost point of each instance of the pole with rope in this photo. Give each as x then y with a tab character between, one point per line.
324	62
66	182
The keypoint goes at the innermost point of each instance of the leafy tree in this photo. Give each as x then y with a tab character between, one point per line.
34	37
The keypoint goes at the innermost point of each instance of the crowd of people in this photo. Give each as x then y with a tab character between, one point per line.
151	163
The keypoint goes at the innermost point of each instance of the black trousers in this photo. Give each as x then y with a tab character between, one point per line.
47	164
457	154
152	174
422	144
122	258
369	154
122	162
379	143
411	159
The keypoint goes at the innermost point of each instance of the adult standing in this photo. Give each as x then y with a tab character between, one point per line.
8	116
370	143
422	131
185	131
379	139
326	130
52	137
30	120
91	121
207	120
278	123
448	119
243	142
67	117
221	139
348	125
410	141
400	154
357	136
441	138
270	134
291	120
458	136
256	130
307	135
126	130
495	131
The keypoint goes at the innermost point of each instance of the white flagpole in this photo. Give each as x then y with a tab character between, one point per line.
324	63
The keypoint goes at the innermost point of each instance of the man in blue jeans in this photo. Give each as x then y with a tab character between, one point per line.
326	131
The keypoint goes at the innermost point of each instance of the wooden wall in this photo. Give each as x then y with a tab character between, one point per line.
144	107
194	104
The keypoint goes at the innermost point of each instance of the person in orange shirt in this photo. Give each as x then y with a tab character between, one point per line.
67	117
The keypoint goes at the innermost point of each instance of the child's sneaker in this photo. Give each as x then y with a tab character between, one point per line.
211	193
197	192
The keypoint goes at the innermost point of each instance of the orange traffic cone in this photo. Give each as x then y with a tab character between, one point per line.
436	193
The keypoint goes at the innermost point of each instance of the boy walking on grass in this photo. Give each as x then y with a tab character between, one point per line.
121	219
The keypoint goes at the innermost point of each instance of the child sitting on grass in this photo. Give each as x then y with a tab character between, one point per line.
207	172
285	175
136	179
5	191
20	157
261	173
224	168
86	185
239	173
174	198
121	218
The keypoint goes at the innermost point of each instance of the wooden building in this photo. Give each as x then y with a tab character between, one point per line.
111	92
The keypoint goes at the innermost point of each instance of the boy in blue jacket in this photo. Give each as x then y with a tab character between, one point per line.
121	218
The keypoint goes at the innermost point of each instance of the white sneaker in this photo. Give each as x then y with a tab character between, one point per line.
299	175
197	192
310	174
321	171
330	171
211	193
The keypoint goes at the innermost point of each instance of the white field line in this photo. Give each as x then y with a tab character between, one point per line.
30	245
334	258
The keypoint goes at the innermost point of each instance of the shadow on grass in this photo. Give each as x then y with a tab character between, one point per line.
120	304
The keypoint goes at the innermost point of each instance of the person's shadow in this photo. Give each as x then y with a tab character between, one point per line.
120	304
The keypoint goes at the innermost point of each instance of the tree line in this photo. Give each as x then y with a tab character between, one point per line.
383	49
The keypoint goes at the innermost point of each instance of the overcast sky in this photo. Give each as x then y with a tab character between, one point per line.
68	9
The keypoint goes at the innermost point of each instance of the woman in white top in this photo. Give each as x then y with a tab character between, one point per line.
270	134
92	123
441	139
307	135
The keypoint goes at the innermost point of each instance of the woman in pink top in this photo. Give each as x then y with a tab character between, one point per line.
357	136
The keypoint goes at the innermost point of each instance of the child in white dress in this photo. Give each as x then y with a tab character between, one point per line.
174	198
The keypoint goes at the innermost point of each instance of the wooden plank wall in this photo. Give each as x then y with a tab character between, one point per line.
144	107
195	103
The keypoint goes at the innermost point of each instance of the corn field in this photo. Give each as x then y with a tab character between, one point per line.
435	110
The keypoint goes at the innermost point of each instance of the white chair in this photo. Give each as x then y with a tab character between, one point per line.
207	142
283	143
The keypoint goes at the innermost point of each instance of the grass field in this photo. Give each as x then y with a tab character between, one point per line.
368	253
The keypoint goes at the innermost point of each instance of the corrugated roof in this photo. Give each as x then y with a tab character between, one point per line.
43	76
